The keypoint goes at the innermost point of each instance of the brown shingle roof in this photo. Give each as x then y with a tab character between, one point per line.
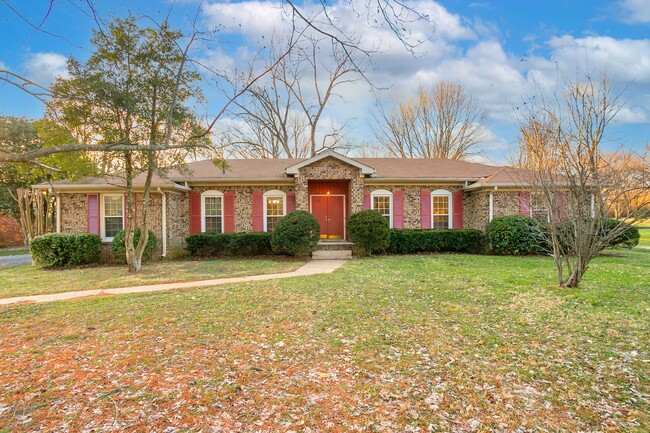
254	170
389	168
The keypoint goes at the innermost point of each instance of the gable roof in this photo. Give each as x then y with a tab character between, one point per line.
293	169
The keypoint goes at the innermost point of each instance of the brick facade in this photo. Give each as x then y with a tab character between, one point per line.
74	206
412	199
243	201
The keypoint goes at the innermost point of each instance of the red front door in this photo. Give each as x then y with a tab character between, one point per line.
329	210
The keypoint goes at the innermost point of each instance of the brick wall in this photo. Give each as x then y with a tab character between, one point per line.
477	207
330	169
243	202
412	199
178	220
74	213
476	210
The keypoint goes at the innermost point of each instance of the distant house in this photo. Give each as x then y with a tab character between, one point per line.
253	194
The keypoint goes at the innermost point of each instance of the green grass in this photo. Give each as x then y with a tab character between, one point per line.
35	280
412	343
645	237
13	251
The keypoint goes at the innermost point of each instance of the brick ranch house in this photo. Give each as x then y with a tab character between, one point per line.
252	195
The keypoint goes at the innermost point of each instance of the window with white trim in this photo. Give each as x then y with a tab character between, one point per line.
540	214
381	200
275	207
212	212
441	209
112	215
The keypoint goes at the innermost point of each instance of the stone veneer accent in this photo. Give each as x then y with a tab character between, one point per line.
330	169
412	199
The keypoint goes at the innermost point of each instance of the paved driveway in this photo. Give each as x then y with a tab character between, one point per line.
10	261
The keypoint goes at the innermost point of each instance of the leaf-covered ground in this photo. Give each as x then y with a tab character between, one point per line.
414	343
34	280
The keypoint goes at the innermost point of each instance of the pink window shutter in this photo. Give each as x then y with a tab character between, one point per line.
457	209
93	213
229	212
366	200
425	209
258	211
291	202
524	203
398	209
195	212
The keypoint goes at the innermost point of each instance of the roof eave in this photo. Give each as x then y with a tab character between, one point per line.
419	179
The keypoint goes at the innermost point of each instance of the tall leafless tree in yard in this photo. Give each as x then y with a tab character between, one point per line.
632	187
561	142
442	121
282	116
154	124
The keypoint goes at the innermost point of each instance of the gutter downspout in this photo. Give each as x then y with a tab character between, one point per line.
491	205
58	213
164	223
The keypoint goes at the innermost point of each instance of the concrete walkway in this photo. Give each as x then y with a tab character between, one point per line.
312	267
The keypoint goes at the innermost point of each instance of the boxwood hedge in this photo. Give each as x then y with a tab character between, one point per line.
409	241
65	249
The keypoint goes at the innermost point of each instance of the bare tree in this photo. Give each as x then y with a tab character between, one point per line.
632	187
561	144
443	121
282	115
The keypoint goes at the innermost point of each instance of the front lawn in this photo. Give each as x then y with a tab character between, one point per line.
34	280
395	344
645	237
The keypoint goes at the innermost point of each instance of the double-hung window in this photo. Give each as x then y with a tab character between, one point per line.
275	207
441	209
112	211
382	202
212	212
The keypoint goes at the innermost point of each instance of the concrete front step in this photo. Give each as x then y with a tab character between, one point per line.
332	255
334	245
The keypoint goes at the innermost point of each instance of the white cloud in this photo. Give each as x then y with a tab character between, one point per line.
43	68
636	11
631	115
457	49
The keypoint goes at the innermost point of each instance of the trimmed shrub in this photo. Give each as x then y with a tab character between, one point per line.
515	235
629	237
207	244
296	234
369	230
233	244
249	244
410	241
66	249
119	246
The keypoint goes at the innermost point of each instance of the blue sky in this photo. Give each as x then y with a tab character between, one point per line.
500	50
